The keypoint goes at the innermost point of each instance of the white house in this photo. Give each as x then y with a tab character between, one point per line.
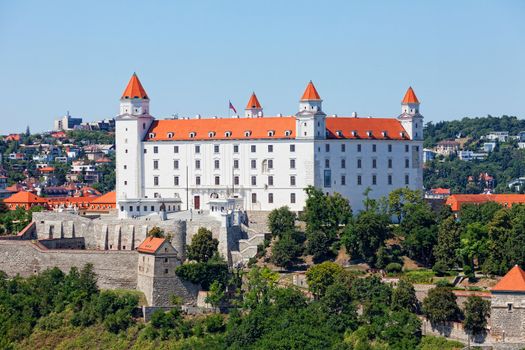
265	162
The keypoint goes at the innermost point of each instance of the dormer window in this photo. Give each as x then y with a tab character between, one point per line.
228	134
211	134
193	134
247	133
354	133
369	133
271	133
384	133
287	132
151	135
339	133
170	135
402	134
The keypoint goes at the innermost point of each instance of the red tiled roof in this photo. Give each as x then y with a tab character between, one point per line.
259	128
410	97
253	102
513	281
134	89
150	245
310	93
46	169
440	190
24	197
455	201
108	198
363	126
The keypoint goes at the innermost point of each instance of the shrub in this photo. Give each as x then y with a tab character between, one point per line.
393	268
214	323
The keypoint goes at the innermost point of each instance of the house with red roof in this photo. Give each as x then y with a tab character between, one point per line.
456	201
25	200
263	161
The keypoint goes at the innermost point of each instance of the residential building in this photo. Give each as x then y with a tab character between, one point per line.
456	201
265	162
471	155
500	136
66	122
447	147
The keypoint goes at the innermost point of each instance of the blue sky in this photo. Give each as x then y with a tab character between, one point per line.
463	58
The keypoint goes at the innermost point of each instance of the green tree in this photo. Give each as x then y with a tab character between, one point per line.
203	246
285	250
448	243
499	237
476	312
404	297
260	284
440	306
366	235
398	200
216	294
321	276
419	229
281	220
156	232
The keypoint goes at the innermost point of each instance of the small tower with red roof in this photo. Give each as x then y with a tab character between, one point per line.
410	118
253	108
507	308
310	122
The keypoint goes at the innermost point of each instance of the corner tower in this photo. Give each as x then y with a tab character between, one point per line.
131	126
310	118
253	108
410	118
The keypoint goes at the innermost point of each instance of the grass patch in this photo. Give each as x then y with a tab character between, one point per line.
432	343
420	276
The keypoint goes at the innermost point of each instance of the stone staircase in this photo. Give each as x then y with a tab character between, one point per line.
253	235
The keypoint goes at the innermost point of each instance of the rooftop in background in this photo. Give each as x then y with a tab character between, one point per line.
455	201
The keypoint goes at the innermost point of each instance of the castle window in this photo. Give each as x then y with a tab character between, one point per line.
192	134
155	164
217	180
151	135
390	179
170	135
270	163
383	133
354	133
390	163
292	148
235	148
254	180
197	164
406	148
197	180
270	148
247	133
343	147
359	147
155	181
166	271
369	133
389	148
197	149
407	163
374	148
343	163
270	180
236	164
253	148
155	149
509	307
228	134
327	147
271	133
343	180
292	180
270	197
175	149
359	180
253	164
292	163
339	133
145	208
327	163
292	197
374	163
216	148
176	181
374	179
287	132
143	126
407	180
359	163
175	164
216	164
402	134
211	134
165	259
254	197
236	180
125	166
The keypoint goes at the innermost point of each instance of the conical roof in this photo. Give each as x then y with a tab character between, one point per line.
134	89
310	93
513	281
410	97
253	103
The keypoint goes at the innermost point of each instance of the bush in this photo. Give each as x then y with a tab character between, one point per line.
204	273
440	268
214	323
393	268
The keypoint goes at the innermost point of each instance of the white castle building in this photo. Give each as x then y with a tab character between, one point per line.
264	162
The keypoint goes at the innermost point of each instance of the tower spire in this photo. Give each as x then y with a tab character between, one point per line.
253	108
310	93
134	89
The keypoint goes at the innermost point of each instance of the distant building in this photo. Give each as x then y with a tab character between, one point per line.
456	201
438	193
470	155
517	184
66	122
447	147
489	146
428	155
501	136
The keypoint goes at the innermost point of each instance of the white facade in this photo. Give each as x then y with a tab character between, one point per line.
263	173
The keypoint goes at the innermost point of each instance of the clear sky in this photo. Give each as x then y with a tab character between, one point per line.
463	58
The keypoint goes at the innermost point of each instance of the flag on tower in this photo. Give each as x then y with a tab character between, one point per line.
231	107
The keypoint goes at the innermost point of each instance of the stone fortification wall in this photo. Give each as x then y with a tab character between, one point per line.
115	269
105	232
507	313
